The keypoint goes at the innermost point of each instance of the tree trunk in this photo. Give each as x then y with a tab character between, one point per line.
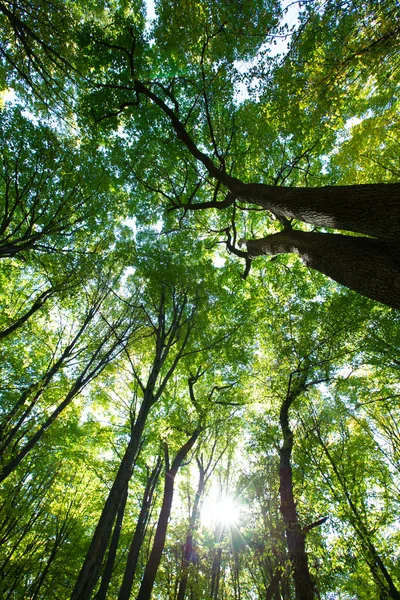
112	551
367	266
137	540
188	551
296	538
216	573
161	531
37	305
370	209
90	570
272	589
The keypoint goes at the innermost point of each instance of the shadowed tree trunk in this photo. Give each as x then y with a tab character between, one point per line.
161	531
216	573
95	365
370	209
37	305
188	550
367	266
92	565
112	551
295	536
137	540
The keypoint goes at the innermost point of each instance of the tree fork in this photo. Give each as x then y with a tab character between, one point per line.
369	209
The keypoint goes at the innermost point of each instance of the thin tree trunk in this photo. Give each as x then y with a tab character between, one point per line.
112	551
188	550
165	337
91	567
367	266
137	540
161	531
92	370
375	563
296	538
273	589
216	573
38	303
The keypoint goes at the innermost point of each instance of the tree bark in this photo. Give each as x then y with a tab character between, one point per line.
137	540
369	209
37	305
188	551
368	266
112	551
89	573
296	538
165	338
161	531
216	573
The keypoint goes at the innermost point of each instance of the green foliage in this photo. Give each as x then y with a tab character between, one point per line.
111	286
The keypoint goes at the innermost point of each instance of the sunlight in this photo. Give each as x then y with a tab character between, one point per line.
221	511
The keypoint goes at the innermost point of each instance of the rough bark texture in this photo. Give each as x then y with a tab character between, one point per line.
137	540
296	538
161	531
369	209
368	266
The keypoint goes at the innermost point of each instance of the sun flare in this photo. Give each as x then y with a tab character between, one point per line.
221	511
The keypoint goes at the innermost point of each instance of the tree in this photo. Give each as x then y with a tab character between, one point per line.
173	313
140	529
159	537
368	209
368	266
132	155
55	191
93	344
206	466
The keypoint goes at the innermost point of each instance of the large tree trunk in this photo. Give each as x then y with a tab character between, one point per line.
368	266
296	538
137	540
161	531
370	209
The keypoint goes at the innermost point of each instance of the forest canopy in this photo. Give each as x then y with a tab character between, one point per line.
200	284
